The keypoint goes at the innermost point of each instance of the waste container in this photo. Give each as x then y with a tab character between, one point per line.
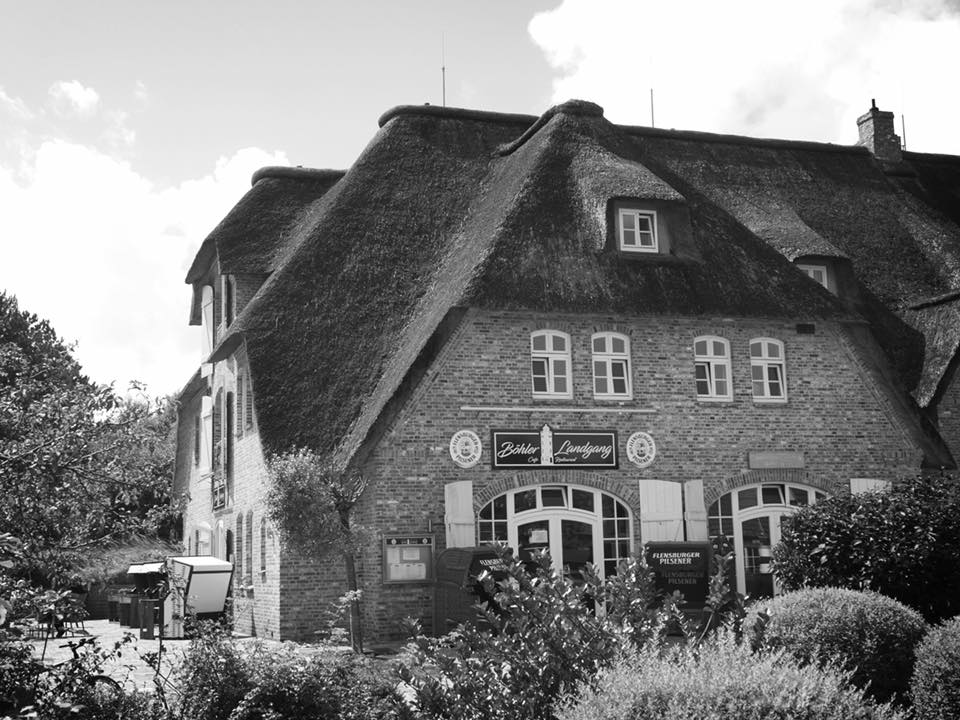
198	586
457	591
148	579
113	601
123	608
148	617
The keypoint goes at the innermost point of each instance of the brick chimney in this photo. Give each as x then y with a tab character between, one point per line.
877	135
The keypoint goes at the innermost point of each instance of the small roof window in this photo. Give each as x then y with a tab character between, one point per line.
637	230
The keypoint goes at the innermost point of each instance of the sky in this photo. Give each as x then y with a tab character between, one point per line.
129	128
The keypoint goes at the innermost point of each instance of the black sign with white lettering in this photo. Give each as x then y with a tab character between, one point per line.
519	449
683	566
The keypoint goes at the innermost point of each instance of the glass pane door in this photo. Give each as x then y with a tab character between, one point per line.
531	537
758	545
576	547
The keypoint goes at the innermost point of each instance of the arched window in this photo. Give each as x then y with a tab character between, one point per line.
711	365
611	366
248	559
263	547
575	524
749	520
238	562
550	364
767	370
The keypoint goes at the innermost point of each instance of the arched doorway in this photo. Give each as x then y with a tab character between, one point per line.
749	518
576	524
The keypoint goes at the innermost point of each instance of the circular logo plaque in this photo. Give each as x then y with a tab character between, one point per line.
465	448
641	449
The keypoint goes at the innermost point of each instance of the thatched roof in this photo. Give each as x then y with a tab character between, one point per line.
447	209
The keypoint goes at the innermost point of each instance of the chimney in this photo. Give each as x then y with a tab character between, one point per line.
877	135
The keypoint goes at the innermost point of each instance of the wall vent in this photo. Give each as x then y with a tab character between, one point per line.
806	329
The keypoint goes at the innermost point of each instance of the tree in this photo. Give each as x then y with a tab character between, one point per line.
310	502
903	543
80	468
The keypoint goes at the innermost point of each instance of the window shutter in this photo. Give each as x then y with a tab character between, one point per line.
661	510
696	517
206	307
458	513
862	485
206	432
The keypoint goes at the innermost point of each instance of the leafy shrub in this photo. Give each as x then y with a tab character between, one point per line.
222	680
901	543
720	680
543	641
935	687
866	633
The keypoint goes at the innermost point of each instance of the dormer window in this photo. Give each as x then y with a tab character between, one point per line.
550	364
637	230
817	273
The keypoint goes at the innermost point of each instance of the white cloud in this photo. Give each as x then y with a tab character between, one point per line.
768	69
101	252
13	107
73	98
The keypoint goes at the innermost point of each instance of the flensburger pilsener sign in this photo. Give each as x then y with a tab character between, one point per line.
517	449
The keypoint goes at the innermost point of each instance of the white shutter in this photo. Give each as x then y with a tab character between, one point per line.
861	485
458	514
206	433
696	517
661	510
206	319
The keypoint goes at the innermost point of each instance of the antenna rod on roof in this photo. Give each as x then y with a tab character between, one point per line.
443	71
652	123
903	131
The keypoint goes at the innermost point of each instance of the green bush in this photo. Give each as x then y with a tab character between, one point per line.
544	640
866	633
901	543
720	680
220	679
935	687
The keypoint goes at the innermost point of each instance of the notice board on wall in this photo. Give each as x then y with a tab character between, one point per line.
683	566
407	558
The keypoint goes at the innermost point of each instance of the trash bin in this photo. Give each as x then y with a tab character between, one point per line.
148	617
123	608
113	602
457	590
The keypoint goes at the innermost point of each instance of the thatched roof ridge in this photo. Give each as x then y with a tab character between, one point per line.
255	230
940	324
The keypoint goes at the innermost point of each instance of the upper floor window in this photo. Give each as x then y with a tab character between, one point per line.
611	366
767	370
228	301
817	273
550	364
711	363
637	230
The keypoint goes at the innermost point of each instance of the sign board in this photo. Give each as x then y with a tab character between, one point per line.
532	449
407	558
683	566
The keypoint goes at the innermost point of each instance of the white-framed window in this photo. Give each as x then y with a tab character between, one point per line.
817	273
711	367
207	321
550	364
767	370
611	366
637	230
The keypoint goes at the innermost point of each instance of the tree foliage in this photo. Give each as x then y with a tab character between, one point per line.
310	501
902	543
80	467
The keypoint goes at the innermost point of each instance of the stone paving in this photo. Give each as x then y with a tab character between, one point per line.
131	669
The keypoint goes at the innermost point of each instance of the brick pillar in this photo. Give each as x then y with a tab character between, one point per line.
877	134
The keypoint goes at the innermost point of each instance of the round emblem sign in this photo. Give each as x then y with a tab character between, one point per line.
641	449
465	448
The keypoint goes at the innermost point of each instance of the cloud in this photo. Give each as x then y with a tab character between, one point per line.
795	70
72	98
100	251
14	107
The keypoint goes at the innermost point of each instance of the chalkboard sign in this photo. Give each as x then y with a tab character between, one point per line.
683	566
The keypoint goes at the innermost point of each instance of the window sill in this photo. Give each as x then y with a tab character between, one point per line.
706	399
